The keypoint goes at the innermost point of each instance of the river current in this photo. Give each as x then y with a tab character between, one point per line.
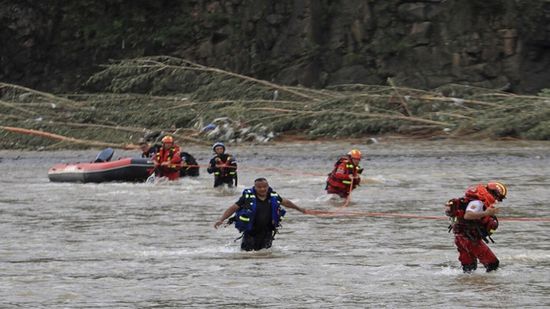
138	245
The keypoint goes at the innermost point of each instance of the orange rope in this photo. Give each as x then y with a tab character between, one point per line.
331	214
314	212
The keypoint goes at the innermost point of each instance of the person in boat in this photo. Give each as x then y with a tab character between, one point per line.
223	166
147	150
345	174
257	215
167	160
473	221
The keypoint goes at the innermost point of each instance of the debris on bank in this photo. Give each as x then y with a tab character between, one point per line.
202	104
226	129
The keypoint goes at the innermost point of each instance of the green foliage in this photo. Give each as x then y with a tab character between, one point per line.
540	131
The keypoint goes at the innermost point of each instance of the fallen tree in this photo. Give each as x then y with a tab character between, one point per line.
131	98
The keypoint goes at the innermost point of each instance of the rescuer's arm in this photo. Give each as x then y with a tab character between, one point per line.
226	214
290	204
471	215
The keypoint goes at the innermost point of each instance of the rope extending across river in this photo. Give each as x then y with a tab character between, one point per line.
348	213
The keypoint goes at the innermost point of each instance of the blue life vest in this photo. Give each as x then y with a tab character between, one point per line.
244	217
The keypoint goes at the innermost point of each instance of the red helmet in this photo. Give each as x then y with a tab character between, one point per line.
355	154
167	139
497	189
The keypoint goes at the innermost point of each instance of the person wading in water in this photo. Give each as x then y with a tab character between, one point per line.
257	214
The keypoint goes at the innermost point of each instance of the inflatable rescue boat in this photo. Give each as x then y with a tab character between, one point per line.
103	170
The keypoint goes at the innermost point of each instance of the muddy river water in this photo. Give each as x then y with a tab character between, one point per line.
137	245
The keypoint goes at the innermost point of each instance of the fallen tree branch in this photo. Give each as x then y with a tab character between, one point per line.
401	99
456	100
454	115
127	129
67	139
13	106
43	94
150	63
366	115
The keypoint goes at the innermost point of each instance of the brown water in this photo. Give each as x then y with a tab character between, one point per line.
125	245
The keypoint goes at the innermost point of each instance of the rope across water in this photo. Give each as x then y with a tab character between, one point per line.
347	213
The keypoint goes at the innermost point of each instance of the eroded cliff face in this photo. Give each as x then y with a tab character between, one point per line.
54	46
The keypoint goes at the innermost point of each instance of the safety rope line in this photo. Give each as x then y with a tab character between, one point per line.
332	214
329	213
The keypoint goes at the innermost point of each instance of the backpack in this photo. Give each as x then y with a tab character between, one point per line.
456	208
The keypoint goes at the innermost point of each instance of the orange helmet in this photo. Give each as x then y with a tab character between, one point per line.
497	189
355	154
167	139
